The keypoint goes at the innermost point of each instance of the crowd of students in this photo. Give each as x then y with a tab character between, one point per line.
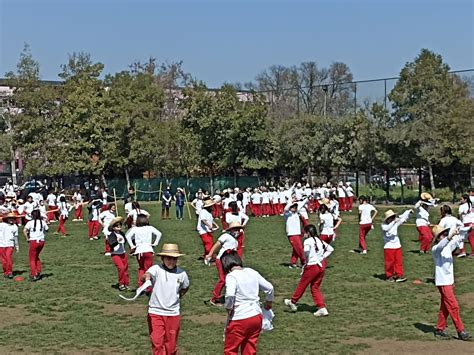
311	245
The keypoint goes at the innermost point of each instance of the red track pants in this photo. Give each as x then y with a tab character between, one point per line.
298	252
207	241
6	257
393	262
163	331
312	275
242	334
93	227
216	293
424	236
35	248
121	263
145	261
449	306
364	229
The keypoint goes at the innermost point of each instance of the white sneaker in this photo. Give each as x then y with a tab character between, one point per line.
363	252
462	255
107	254
291	305
322	312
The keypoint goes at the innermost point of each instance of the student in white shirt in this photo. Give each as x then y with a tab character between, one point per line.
136	210
119	256
266	207
105	217
142	239
256	203
170	284
51	201
392	247
64	209
327	227
34	232
197	203
366	220
78	200
350	196
206	226
316	251
341	196
227	242
449	221
423	222
466	215
444	243
218	209
236	215
104	196
8	242
244	315
93	224
293	232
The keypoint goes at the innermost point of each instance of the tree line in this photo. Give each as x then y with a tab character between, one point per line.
292	121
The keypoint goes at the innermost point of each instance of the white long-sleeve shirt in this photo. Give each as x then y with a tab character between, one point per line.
466	214
450	222
422	215
106	217
443	259
227	242
390	231
241	218
8	235
242	290
313	256
327	220
292	219
204	216
141	239
37	233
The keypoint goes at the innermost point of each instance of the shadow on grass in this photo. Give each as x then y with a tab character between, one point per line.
18	272
414	251
380	276
430	280
303	307
45	276
425	328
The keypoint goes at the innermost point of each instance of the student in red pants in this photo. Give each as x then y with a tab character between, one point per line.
444	243
170	284
316	251
93	224
142	239
423	222
8	242
34	232
244	315
466	215
236	215
206	226
116	241
293	232
226	242
392	247
64	209
366	219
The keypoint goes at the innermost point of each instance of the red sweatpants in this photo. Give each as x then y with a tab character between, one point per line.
207	241
78	212
424	236
393	262
351	202
470	236
145	261
449	306
240	242
121	262
327	238
163	331
61	229
107	245
216	293
312	275
6	257
242	334
342	203
256	209
364	229
34	251
298	252
93	228
51	215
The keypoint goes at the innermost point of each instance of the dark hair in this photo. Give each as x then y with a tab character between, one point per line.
230	259
323	208
36	215
332	196
226	195
135	205
313	233
363	198
142	220
62	199
468	200
110	206
445	210
233	206
240	196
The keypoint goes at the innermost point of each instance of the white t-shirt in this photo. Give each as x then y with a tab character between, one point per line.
327	219
422	215
292	223
228	242
349	191
450	222
204	216
225	202
39	233
198	203
390	231
127	208
134	214
341	193
466	213
241	218
143	237
443	259
106	217
51	200
8	235
265	197
164	300
256	198
241	292
365	211
314	257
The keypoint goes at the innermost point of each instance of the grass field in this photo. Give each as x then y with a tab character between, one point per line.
75	309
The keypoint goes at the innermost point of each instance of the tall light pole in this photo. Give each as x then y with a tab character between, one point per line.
325	89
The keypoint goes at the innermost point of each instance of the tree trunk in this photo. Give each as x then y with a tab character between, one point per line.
370	184
357	182
235	177
401	184
104	180
387	185
420	185
432	182
13	165
127	177
308	178
211	180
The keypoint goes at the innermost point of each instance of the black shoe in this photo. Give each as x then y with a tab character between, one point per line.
465	336
442	334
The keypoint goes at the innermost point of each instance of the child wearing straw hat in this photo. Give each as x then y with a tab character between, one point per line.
119	255
392	247
316	252
8	242
236	215
170	284
227	241
206	226
423	222
444	243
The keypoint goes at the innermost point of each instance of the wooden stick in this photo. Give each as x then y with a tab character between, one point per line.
135	191
159	191
115	202
187	202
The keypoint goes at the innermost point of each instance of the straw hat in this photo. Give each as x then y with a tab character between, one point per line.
114	222
170	250
20	200
10	215
425	196
209	203
325	201
234	225
437	230
388	214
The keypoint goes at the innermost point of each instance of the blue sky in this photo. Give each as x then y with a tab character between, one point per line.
232	41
